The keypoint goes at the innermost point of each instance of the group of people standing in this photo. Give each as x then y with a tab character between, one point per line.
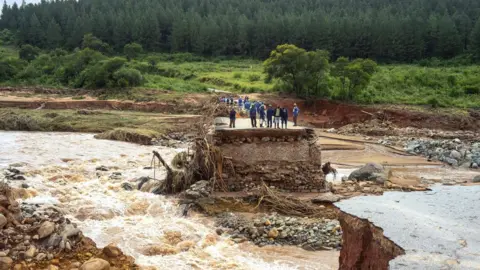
269	117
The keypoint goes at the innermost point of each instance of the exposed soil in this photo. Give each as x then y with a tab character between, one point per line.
328	114
364	245
322	114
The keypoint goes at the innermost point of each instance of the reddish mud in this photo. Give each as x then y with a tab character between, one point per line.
328	114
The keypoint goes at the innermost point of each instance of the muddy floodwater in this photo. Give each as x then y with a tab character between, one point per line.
61	169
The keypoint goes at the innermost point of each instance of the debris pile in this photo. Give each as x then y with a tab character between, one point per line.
274	229
453	152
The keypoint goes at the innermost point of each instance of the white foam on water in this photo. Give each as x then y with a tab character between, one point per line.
131	219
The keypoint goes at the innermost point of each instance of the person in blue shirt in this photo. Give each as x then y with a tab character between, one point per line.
240	103
296	111
253	117
261	112
257	105
247	105
270	113
233	116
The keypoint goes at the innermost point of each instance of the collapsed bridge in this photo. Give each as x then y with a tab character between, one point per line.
285	159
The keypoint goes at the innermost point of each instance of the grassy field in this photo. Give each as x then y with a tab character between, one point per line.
183	73
117	125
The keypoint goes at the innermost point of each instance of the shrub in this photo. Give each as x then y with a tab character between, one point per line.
237	75
455	92
132	50
472	90
433	101
28	52
29	73
128	77
76	63
253	77
10	67
94	43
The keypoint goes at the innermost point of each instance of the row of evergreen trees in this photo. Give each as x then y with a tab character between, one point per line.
384	30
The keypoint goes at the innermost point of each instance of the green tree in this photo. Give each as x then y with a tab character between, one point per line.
449	41
475	40
54	35
295	67
132	50
354	76
92	42
28	52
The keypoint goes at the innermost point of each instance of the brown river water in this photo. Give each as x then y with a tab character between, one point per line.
60	170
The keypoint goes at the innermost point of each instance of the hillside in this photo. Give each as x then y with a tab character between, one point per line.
394	84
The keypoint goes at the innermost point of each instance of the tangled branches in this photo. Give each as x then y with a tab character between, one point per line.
206	161
287	204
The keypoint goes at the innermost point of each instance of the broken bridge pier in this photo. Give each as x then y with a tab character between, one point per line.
286	159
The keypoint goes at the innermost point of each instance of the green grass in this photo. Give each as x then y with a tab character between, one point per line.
414	85
120	125
184	73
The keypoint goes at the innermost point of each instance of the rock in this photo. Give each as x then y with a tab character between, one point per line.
25	185
52	267
95	264
5	263
474	166
127	186
102	168
451	161
46	229
40	256
17	177
112	251
219	231
200	189
18	267
455	155
3	221
273	233
476	179
30	252
327	198
380	178
369	172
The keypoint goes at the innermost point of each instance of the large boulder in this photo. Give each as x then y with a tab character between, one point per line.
46	229
476	179
455	155
327	197
369	172
95	264
112	251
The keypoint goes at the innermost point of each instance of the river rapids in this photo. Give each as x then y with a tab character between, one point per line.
61	169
